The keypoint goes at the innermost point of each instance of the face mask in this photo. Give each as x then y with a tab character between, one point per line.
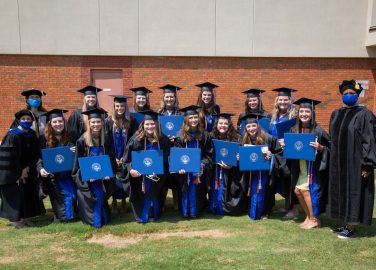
349	99
35	103
26	124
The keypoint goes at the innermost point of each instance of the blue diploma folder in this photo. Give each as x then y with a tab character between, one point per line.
226	152
188	159
58	159
263	122
95	168
171	124
148	161
284	127
139	117
297	146
252	158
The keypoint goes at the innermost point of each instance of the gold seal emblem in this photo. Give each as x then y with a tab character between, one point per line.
357	87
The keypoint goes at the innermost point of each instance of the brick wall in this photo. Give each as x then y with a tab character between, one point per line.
61	76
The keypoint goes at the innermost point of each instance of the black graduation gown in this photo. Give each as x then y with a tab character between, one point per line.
76	125
268	195
205	144
54	190
22	200
85	196
136	195
216	110
352	133
109	130
319	186
233	196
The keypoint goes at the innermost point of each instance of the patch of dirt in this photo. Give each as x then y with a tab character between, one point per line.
114	241
9	259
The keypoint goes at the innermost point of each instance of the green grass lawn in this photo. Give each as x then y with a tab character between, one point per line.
217	243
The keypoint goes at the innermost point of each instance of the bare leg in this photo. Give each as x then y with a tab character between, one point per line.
300	197
313	222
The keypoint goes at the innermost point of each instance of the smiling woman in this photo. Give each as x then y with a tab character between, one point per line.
146	196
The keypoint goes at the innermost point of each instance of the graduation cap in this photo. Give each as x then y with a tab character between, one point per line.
207	86
169	88
352	84
54	113
223	115
33	91
253	92
150	115
95	113
307	103
120	99
23	112
190	110
140	91
284	91
89	90
251	118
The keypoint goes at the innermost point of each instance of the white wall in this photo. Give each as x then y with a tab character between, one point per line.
249	28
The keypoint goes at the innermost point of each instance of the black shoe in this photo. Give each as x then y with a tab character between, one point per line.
346	233
338	230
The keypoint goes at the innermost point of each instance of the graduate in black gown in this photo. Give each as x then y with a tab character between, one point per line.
141	100
92	195
193	187
60	186
280	181
207	105
33	98
253	104
146	192
309	179
19	191
256	181
227	187
352	162
77	123
170	106
120	127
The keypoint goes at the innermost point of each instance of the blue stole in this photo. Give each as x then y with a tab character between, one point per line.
258	183
120	139
189	198
148	201
313	187
65	183
100	213
209	122
215	206
21	133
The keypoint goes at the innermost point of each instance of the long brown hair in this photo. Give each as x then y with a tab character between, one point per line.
231	134
51	140
141	134
203	107
121	121
260	137
298	128
248	110
185	131
290	111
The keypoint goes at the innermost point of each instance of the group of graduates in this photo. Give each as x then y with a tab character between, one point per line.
340	181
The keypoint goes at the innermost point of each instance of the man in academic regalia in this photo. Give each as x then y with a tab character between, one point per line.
352	161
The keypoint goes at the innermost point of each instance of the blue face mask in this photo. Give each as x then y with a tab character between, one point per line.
26	124
349	99
35	103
